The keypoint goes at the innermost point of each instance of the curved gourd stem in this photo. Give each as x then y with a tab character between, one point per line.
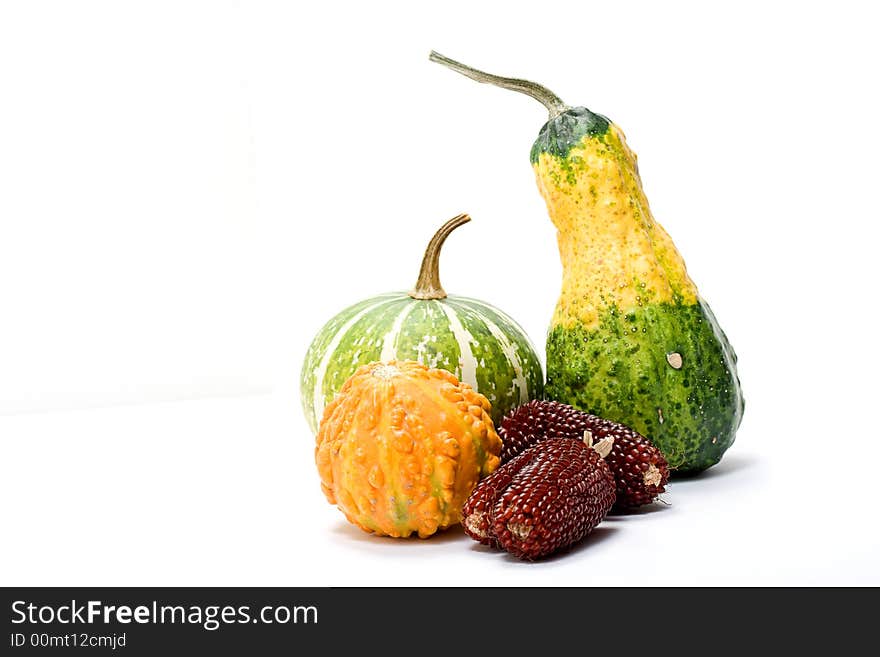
428	286
542	94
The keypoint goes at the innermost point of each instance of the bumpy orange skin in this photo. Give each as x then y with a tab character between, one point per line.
401	447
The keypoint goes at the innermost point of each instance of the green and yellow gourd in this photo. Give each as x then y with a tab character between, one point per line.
478	343
631	339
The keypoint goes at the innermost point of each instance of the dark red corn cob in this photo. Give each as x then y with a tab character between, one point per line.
476	514
639	468
542	501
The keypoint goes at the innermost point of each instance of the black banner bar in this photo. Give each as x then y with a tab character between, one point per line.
150	621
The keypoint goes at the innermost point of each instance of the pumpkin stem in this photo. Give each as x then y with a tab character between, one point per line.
542	94
428	286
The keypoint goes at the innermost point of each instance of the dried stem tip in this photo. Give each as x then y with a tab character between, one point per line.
603	447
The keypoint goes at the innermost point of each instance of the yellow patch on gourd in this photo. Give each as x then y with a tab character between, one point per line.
613	252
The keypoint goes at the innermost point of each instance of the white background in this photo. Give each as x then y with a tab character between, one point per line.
189	190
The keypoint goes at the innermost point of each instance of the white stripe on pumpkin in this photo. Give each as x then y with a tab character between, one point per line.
466	358
389	344
318	398
503	315
506	347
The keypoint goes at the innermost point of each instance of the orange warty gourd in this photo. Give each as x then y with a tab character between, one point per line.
401	447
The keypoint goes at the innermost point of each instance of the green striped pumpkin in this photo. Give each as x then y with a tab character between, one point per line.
478	343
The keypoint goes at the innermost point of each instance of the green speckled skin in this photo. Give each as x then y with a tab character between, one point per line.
483	347
620	371
627	303
561	134
631	339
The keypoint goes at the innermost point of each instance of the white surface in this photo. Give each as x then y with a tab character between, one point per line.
224	492
188	190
